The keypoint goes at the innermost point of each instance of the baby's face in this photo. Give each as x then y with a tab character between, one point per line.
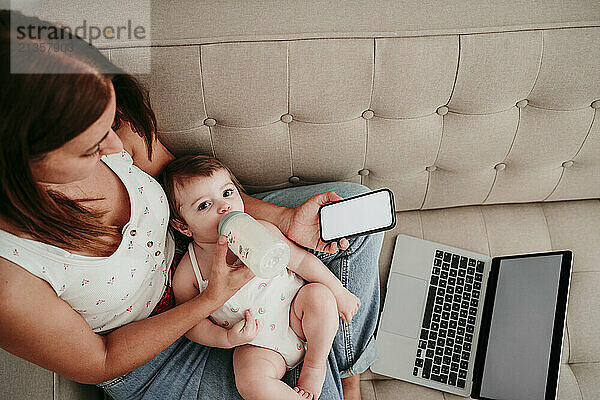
203	201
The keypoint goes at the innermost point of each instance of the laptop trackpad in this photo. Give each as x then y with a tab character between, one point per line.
403	308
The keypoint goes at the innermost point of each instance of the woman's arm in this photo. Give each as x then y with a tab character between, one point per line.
277	215
300	224
40	327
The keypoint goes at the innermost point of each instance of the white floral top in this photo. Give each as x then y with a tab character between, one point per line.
111	291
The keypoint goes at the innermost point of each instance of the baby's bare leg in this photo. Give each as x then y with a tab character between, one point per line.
258	372
314	317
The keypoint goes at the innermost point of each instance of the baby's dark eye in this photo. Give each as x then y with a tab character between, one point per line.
228	192
204	206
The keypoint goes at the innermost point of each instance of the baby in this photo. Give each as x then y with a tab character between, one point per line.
272	323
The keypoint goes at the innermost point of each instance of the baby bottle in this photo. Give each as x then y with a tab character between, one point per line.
257	247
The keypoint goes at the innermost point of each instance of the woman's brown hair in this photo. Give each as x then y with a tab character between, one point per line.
40	113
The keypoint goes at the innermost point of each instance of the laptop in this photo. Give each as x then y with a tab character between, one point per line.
472	325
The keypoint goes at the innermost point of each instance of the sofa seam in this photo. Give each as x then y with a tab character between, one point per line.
512	143
426	191
578	384
586	136
574	156
373	74
328	122
456	73
212	145
287	81
482	114
556	185
487	236
491	187
541	206
387	117
539	67
568	338
584	362
496	172
558	109
421	224
180	131
353	35
362	178
374	390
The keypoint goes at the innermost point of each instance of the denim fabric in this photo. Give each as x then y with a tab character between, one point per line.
187	370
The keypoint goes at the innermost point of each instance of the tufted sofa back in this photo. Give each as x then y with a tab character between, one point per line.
444	118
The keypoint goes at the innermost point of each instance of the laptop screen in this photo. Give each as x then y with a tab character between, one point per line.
517	360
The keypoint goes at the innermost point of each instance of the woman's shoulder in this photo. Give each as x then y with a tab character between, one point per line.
135	145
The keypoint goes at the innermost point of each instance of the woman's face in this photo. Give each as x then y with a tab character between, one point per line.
203	201
76	159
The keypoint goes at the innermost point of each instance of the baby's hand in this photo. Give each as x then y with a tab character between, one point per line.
347	304
243	331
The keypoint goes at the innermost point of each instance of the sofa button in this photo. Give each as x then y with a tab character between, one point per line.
286	118
210	122
431	168
595	104
294	179
500	166
368	114
364	172
443	110
523	103
567	164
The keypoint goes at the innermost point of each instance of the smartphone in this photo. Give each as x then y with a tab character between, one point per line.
359	215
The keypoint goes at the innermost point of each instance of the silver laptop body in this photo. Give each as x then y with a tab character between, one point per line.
404	335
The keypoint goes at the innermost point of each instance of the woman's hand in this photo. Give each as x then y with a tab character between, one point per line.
225	279
301	224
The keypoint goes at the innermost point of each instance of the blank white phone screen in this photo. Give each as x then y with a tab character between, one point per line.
355	216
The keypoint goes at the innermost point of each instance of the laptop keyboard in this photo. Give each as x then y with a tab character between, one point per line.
446	340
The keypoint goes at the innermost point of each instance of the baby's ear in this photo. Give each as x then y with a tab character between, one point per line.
180	226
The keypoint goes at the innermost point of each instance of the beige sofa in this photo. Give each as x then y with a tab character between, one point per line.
483	119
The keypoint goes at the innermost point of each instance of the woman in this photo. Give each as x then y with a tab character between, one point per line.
85	256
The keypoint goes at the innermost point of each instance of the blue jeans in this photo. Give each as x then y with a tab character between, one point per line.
188	370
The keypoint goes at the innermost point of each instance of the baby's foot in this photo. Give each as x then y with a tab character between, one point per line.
311	381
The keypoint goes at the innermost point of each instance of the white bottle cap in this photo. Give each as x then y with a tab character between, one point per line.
228	217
